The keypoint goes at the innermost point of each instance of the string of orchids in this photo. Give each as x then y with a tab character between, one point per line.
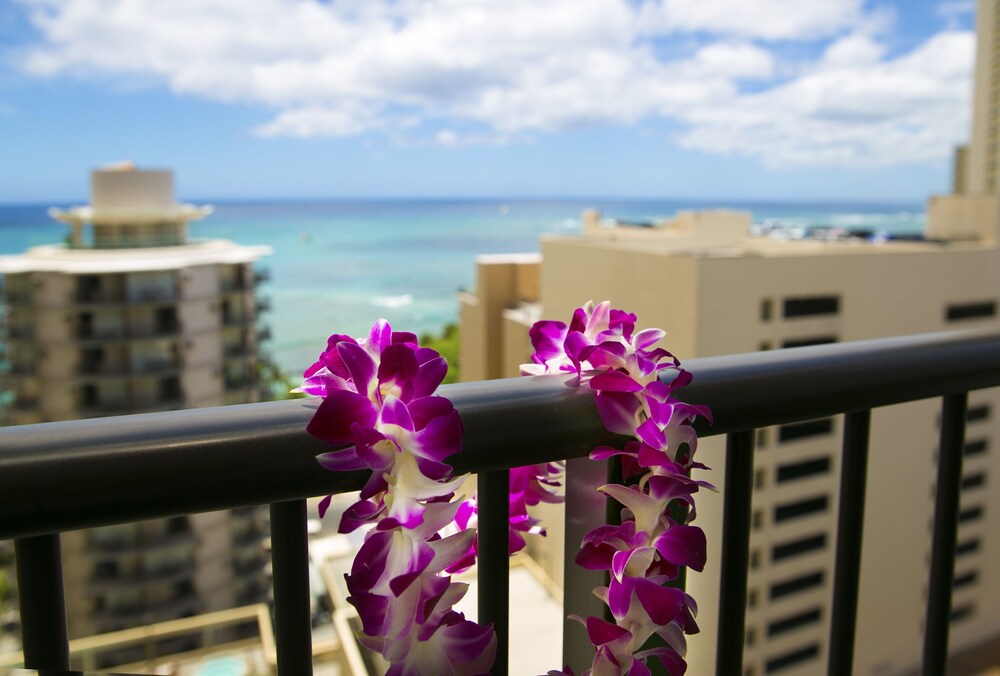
380	412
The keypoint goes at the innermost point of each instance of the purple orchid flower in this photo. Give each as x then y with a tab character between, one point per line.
623	368
379	413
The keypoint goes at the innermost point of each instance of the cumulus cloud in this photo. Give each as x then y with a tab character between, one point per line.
852	109
513	69
763	19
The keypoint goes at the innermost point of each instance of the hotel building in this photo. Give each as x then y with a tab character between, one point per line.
717	294
718	290
128	316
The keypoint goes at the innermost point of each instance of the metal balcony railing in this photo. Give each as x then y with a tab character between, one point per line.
68	475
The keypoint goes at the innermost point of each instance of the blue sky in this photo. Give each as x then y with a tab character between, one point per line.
834	100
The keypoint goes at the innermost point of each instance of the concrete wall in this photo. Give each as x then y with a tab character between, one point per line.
213	558
199	316
645	279
981	170
200	281
502	282
963	217
52	289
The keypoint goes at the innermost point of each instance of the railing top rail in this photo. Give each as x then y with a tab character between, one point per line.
83	473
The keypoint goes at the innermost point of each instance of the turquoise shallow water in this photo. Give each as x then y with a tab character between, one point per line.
339	266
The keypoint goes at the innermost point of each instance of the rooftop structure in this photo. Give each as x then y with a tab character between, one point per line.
129	315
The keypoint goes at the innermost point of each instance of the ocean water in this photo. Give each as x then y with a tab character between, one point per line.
339	266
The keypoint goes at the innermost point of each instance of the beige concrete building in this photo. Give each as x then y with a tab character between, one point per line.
975	185
716	290
129	316
977	165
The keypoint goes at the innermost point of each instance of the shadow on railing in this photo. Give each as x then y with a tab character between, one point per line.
62	476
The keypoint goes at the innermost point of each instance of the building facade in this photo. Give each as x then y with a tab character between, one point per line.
717	290
129	315
731	293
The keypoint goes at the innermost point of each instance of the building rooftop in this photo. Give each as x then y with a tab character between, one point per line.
732	234
58	258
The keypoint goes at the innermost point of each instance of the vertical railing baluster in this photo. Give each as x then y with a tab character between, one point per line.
586	509
290	564
494	564
737	492
44	639
949	481
850	521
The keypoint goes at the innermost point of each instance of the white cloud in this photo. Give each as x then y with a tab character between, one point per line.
955	8
509	69
763	19
851	111
307	122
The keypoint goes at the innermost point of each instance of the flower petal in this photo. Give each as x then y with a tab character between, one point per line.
336	415
684	545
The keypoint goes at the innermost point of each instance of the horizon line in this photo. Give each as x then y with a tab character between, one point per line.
825	201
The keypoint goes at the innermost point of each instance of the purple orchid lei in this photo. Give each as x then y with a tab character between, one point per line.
654	539
380	411
379	406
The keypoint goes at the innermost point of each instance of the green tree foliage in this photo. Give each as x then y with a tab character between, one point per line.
276	382
447	346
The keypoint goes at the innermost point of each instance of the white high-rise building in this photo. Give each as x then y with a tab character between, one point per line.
128	316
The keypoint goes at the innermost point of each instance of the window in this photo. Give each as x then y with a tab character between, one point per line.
805	342
761	439
791	659
793	622
967	547
963	311
973	480
965	579
759	479
794	510
812	306
801	470
796	585
970	514
977	413
798	547
975	447
766	309
962	612
803	430
757	521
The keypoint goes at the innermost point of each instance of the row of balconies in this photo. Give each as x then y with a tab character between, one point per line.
133	537
121	296
93	400
100	370
182	602
100	409
122	288
108	577
239	282
84	327
242	345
